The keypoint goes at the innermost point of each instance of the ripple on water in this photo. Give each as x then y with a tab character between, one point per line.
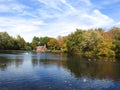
21	73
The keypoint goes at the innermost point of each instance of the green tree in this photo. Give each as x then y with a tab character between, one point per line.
6	41
74	42
28	46
35	42
20	42
117	47
44	41
114	33
91	42
53	44
64	43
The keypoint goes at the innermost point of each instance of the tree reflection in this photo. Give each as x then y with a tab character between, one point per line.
35	62
48	59
80	66
6	62
18	62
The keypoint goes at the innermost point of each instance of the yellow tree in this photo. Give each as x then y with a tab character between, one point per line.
64	43
53	44
105	46
91	38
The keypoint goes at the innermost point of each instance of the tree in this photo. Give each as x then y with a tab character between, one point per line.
6	41
115	34
105	46
52	44
28	46
64	43
35	42
117	47
90	41
20	42
74	42
44	41
59	39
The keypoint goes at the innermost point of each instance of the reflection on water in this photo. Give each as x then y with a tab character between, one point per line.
51	71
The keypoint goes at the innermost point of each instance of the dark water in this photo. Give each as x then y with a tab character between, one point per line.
50	71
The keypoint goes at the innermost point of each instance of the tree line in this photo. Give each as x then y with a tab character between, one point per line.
8	42
95	42
89	42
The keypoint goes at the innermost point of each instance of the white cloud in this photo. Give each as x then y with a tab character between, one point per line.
107	2
3	8
12	7
65	2
87	2
97	19
51	3
55	17
20	26
117	24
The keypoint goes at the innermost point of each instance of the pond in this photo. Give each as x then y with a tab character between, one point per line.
56	71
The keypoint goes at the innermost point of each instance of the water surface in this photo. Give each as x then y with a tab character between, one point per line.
51	71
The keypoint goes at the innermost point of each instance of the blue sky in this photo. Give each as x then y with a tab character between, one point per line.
30	18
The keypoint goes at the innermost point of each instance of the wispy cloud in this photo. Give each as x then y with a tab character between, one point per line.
50	17
12	7
107	2
53	4
20	26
